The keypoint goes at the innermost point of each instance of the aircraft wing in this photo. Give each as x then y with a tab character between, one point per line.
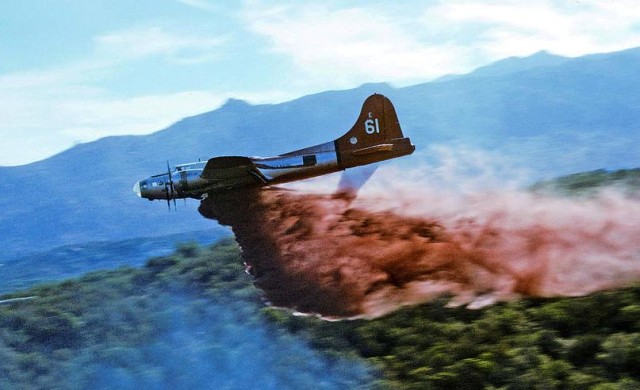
231	172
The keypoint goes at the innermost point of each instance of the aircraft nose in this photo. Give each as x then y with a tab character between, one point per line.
136	189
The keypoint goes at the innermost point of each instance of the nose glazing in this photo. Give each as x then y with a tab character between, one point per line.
136	189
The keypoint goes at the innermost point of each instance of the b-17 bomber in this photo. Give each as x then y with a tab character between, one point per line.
376	136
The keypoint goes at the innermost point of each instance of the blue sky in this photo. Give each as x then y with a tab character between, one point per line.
76	71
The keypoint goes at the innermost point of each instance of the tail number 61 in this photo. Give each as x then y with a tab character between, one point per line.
371	126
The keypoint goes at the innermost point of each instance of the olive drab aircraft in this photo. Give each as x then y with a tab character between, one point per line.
376	136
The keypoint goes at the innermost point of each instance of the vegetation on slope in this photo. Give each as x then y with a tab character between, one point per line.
189	320
193	319
588	183
579	343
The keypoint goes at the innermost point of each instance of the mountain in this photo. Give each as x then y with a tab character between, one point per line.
549	116
512	65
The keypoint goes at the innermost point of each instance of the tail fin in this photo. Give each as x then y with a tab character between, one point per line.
375	136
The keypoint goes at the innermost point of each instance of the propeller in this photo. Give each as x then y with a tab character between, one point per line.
170	186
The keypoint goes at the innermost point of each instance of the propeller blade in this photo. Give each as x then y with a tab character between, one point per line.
170	181
168	201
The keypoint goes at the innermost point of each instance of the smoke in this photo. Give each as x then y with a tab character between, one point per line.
405	242
187	343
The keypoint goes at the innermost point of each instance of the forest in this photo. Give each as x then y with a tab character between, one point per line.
193	319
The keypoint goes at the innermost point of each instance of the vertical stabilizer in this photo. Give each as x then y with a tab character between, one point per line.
375	136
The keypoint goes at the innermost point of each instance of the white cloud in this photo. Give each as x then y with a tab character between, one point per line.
139	42
88	120
506	27
47	111
407	44
38	124
201	4
351	45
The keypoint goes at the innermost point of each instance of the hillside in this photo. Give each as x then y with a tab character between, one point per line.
188	320
193	320
74	260
590	183
544	115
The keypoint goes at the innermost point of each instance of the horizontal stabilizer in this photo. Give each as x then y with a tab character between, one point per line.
373	149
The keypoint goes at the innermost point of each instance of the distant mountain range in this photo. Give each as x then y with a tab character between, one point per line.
551	115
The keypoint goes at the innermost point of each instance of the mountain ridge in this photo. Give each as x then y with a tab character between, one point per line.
577	115
511	65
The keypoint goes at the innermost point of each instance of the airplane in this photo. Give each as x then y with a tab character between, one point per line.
376	136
